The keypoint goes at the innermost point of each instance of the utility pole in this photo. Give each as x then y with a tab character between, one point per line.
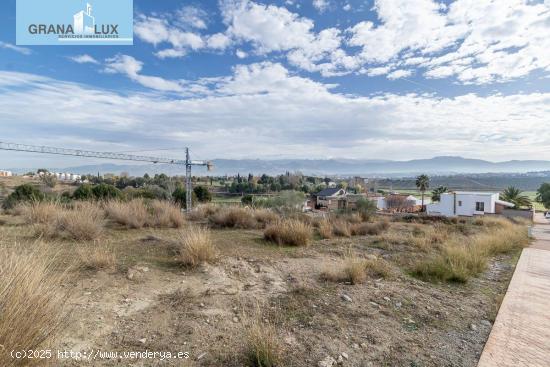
117	156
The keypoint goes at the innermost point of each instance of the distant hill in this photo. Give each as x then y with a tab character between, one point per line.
445	165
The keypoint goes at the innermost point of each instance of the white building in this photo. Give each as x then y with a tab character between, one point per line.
468	204
5	173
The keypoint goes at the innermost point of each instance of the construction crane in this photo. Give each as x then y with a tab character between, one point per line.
188	163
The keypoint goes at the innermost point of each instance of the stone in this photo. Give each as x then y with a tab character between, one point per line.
398	304
143	341
340	360
387	299
346	298
344	355
328	361
486	323
201	356
473	327
235	319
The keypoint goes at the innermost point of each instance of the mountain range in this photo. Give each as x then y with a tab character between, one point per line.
443	165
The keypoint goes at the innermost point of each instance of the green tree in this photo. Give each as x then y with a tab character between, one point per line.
83	192
49	180
543	195
423	184
514	195
106	192
365	207
202	194
25	192
436	193
179	195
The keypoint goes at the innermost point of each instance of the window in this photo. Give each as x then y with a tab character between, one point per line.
480	206
460	203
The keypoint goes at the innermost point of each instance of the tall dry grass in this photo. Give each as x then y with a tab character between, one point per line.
341	228
290	232
203	211
324	227
234	217
132	214
461	257
32	303
196	246
85	222
165	214
263	345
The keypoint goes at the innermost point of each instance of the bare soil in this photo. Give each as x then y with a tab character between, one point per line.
150	302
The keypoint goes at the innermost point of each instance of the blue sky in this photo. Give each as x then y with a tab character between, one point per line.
386	79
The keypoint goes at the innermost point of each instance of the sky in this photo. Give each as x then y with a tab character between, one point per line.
383	79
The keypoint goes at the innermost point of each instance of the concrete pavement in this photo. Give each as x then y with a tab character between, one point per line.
521	333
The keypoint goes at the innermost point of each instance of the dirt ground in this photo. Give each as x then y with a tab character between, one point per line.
149	302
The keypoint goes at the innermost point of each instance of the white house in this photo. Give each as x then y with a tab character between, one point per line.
5	173
466	203
391	200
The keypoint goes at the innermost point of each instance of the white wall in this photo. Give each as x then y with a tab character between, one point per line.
465	204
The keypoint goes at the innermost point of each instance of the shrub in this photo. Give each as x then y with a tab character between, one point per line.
164	214
106	192
84	222
132	214
195	246
32	303
365	208
286	200
263	345
202	194
341	228
362	229
289	232
325	229
23	193
39	212
234	218
83	192
179	196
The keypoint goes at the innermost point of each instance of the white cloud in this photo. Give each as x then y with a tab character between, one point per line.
475	41
192	17
321	5
241	54
347	7
397	74
84	59
218	41
270	28
21	50
129	66
283	113
170	53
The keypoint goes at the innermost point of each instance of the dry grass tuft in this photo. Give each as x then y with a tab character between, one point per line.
234	217
464	257
264	348
196	247
325	229
83	223
165	214
289	232
363	229
203	211
32	305
97	257
132	214
355	270
265	216
341	228
39	212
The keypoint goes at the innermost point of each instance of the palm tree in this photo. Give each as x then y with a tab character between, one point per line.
514	195
436	193
423	184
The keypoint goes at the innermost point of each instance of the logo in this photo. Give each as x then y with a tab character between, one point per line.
74	22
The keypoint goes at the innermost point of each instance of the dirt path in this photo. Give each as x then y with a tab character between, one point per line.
521	333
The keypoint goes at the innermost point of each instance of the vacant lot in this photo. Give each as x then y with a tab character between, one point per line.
236	287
